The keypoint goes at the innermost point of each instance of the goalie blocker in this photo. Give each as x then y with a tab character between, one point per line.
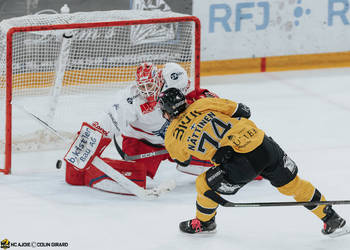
89	144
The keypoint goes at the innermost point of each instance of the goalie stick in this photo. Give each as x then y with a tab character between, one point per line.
41	122
145	194
136	157
225	203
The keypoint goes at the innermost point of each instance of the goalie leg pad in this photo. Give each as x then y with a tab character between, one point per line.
74	176
133	171
92	177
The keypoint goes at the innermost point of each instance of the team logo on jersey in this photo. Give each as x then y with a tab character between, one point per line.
174	76
130	100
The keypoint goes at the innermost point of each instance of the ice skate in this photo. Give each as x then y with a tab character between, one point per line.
196	226
334	225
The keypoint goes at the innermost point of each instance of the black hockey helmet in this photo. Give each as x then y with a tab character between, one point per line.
172	101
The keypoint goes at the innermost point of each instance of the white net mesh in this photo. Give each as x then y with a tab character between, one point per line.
66	76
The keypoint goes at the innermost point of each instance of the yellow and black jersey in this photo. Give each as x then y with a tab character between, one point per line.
207	125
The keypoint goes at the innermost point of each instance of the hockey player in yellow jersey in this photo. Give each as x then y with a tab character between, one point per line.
219	130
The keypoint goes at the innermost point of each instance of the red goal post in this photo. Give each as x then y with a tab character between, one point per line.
29	81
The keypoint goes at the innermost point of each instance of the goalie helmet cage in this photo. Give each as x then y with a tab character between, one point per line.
63	66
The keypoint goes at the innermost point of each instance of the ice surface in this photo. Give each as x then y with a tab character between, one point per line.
306	112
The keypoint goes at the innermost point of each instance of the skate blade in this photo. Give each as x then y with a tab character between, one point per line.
340	232
207	232
203	233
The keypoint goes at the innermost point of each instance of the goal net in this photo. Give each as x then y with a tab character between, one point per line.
65	68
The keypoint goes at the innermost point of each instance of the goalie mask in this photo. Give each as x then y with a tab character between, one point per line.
173	102
148	81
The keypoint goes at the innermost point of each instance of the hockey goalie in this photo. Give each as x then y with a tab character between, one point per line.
136	117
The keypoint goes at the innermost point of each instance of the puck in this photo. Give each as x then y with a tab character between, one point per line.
58	164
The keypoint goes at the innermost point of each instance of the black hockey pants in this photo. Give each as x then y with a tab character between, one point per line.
267	160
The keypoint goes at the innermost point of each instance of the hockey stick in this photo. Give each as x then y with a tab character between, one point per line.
136	157
145	194
287	204
225	203
41	122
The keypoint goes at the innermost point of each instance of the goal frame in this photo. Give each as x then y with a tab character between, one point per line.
8	123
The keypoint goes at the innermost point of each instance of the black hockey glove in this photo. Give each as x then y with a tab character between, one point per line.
223	155
215	178
242	111
183	164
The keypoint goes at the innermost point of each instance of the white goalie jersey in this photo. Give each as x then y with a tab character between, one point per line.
133	116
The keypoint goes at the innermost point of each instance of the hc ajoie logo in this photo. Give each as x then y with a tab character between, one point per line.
5	244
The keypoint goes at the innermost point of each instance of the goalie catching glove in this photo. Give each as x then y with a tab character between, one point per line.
242	111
